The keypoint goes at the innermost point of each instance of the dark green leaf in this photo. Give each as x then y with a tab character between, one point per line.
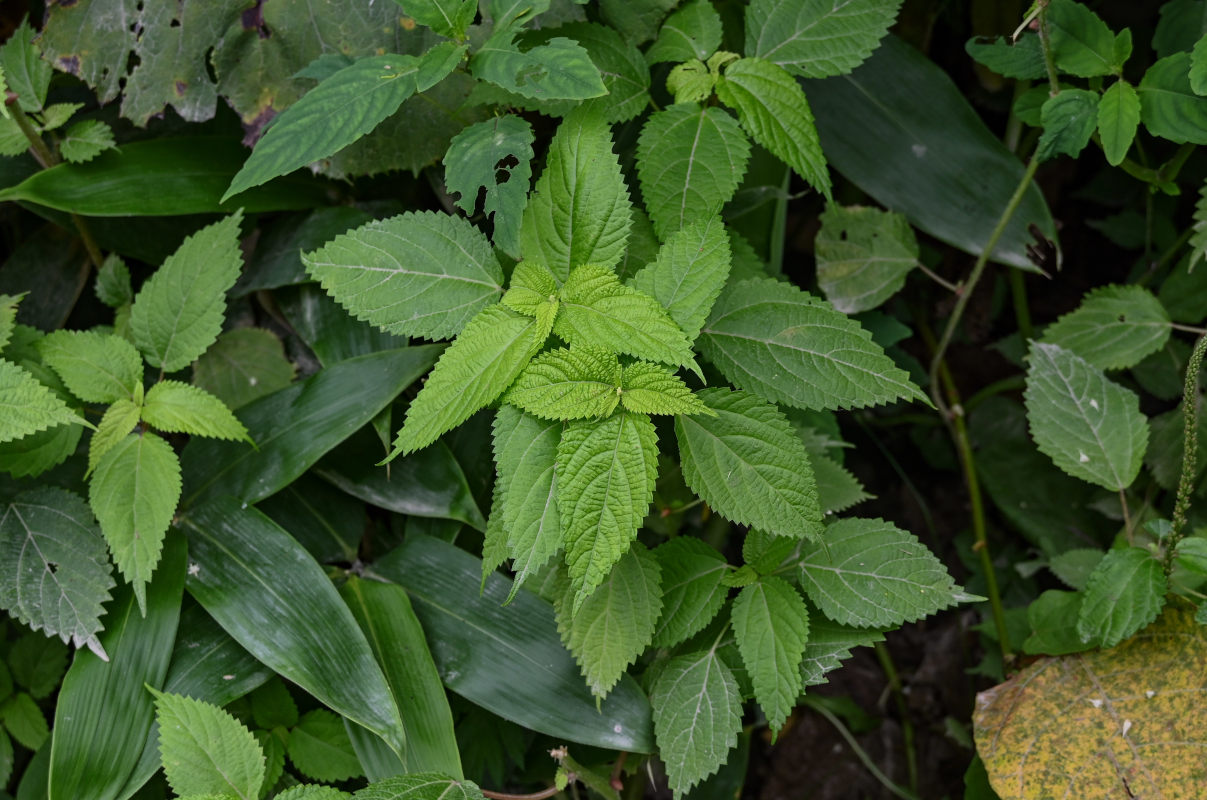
820	38
694	31
1082	44
319	748
478	158
242	365
692	592
863	255
24	70
1069	120
1022	59
277	258
446	17
1118	120
37	663
1124	593
420	786
328	329
697	716
1168	106
559	70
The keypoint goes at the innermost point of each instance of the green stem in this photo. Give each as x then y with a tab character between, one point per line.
1022	312
1177	326
541	795
1190	446
1045	44
939	279
1127	517
907	726
859	752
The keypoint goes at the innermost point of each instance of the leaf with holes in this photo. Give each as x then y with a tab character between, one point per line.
1114	327
477	159
863	255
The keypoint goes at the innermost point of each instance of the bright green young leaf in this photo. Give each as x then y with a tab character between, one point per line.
8	317
605	481
319	747
205	750
417	274
340	110
871	574
749	465
772	108
1114	327
448	18
86	140
177	407
687	276
244	364
117	423
526	452
95	367
863	255
1090	427
113	282
829	645
1125	592
477	158
1169	107
597	309
775	340
23	68
134	492
697	716
654	389
178	312
691	82
616	623
817	38
531	289
694	31
558	70
590	223
771	625
57	115
1082	44
692	592
55	573
420	786
690	159
579	382
1022	58
478	367
1069	120
1118	120
26	406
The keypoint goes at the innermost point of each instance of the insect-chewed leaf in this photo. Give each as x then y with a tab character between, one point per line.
692	592
773	339
817	39
597	309
474	371
590	223
688	274
417	274
205	750
772	108
654	389
616	623
178	312
771	624
26	406
749	465
1125	592
1090	427
180	408
421	786
605	481
118	422
1114	327
55	572
579	382
95	367
690	159
863	255
871	574
134	492
697	716
473	162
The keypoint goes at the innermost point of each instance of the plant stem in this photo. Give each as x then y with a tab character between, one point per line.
617	770
1188	328
541	795
1127	517
1022	312
907	725
1045	44
934	276
859	752
1190	446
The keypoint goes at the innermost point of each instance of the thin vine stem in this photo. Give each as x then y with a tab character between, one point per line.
907	726
859	752
1045	45
1190	446
541	795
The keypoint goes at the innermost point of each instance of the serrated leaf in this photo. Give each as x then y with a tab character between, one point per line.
773	339
690	160
579	382
1124	593
86	140
95	367
616	623
243	365
863	255
749	465
532	287
421	786
871	574
24	69
1118	120
771	625
597	309
691	82
817	38
688	274
117	423
579	212
38	452
654	389
1198	66
478	158
24	720
134	492
1021	58
1169	107
621	65
319	747
694	31
56	572
772	108
113	282
26	406
837	488
8	317
478	367
1069	120
1114	327
205	750
177	407
605	481
829	645
448	18
310	791
1090	427
697	716
558	70
692	589
1198	237
340	110
1081	42
417	274
178	312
